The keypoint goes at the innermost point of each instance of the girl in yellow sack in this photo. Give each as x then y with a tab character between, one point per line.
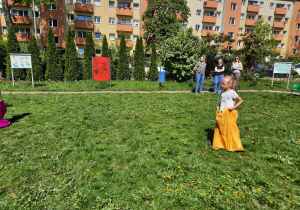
227	134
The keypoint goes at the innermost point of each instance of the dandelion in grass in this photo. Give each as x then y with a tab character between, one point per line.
289	204
203	194
104	170
179	167
236	193
185	143
196	187
221	190
88	170
259	189
177	190
229	176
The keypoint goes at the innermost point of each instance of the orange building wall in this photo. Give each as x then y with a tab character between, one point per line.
232	28
54	14
294	32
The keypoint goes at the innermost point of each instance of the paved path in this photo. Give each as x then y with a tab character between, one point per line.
163	91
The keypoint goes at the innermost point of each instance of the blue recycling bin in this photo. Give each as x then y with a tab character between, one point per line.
162	76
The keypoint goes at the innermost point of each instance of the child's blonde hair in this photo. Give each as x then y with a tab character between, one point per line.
231	81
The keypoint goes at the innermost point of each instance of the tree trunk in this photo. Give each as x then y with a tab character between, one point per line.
6	11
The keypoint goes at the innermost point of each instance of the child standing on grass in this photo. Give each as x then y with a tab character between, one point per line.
227	134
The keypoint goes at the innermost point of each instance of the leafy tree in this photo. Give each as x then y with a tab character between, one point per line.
153	73
123	71
258	45
71	65
54	69
180	53
104	49
36	61
139	58
2	57
13	46
113	55
89	52
162	19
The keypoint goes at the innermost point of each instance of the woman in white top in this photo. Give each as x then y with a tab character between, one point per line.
236	67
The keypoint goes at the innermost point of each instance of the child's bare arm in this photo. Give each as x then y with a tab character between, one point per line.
239	103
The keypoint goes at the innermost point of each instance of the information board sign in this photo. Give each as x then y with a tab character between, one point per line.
282	68
101	69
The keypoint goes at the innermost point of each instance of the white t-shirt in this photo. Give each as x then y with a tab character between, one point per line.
236	65
227	99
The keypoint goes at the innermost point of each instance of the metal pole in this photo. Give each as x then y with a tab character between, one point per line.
93	71
12	74
109	74
32	77
287	87
272	78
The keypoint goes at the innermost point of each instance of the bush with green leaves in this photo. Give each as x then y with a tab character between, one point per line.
12	46
36	61
153	73
71	64
139	58
123	71
89	52
104	49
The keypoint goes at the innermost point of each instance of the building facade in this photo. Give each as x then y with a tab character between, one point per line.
111	18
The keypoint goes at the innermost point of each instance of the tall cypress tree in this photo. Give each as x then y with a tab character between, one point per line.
71	65
123	71
139	57
36	61
54	69
105	52
153	73
13	46
89	52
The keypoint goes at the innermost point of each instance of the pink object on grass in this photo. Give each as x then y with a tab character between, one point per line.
3	123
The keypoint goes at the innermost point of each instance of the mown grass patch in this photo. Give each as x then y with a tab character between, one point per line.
147	151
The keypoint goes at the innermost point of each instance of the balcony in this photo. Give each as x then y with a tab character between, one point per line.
128	43
23	20
80	40
10	2
253	8
84	8
278	24
23	37
278	37
211	4
209	19
280	11
124	11
207	32
84	24
124	27
250	22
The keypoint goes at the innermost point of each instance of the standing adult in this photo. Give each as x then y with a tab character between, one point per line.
200	73
219	70
236	67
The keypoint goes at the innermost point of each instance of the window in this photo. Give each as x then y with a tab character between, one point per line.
127	37
124	21
261	4
298	27
232	21
56	40
4	30
280	5
278	46
217	29
288	7
22	30
242	16
135	23
270	18
97	3
84	18
239	44
248	30
112	21
208	42
81	50
70	1
124	5
81	34
198	12
220	1
135	38
111	4
231	34
19	12
253	3
286	20
70	17
244	2
1	12
271	5
209	13
136	6
278	19
37	14
52	22
233	6
241	30
295	52
282	46
97	35
276	32
260	17
97	19
38	32
52	7
296	39
83	1
197	27
98	51
252	17
207	28
284	33
229	48
219	14
184	26
111	37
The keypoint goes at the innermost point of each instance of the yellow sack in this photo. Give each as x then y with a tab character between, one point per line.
227	134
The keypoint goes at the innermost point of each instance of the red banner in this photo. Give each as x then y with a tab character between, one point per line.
101	68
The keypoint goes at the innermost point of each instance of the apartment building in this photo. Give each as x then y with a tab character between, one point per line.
111	18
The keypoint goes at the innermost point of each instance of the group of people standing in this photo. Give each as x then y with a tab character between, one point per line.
200	69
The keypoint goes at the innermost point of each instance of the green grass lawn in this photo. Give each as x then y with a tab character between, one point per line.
86	85
147	151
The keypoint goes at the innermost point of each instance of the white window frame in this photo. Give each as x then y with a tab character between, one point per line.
52	7
220	1
284	33
241	30
4	30
242	17
80	50
295	52
270	18
111	2
69	1
233	6
38	32
286	20
217	28
135	38
229	48
296	39
197	27
136	23
98	34
243	2
69	17
97	3
282	46
56	37
232	21
112	21
112	37
219	14
198	12
97	17
231	34
239	44
261	4
271	5
37	14
136	6
298	27
52	23
288	7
